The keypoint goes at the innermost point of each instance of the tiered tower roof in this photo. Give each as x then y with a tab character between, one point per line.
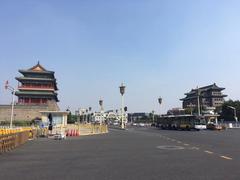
37	83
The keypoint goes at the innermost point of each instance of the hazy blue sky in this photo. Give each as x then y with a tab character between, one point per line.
156	47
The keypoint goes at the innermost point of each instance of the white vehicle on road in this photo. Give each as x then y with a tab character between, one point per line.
141	124
200	127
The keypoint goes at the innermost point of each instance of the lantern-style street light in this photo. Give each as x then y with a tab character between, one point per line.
198	101
90	118
234	111
101	110
153	116
160	102
191	106
101	104
122	92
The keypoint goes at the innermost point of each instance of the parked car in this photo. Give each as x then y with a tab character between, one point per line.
200	126
116	124
60	136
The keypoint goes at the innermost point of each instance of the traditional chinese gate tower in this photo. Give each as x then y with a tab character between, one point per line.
37	86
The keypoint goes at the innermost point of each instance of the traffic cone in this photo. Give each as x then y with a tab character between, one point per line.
68	132
77	133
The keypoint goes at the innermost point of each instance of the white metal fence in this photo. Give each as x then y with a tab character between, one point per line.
231	125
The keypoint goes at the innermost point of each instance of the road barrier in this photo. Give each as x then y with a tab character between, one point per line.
72	132
42	132
85	129
231	125
12	138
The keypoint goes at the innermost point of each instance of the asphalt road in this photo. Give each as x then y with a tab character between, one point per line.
138	153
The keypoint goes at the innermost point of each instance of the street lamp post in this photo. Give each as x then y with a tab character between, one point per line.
191	108
198	101
90	118
153	116
101	104
101	110
122	91
235	112
8	87
160	102
86	115
68	111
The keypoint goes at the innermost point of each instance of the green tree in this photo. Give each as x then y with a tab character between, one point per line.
71	119
227	113
188	111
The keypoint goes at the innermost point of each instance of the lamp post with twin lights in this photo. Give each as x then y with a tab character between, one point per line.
234	112
13	91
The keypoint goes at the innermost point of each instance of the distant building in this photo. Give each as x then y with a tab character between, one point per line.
36	86
209	96
99	117
136	117
176	111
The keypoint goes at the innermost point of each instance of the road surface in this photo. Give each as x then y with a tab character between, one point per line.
138	153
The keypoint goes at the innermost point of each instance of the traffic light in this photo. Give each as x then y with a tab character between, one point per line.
125	108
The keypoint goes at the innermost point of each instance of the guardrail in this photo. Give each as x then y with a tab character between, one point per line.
87	129
9	139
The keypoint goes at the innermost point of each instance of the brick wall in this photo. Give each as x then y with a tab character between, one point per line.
26	112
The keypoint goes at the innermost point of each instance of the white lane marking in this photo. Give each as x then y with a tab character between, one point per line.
209	152
167	147
226	157
179	142
186	144
195	148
